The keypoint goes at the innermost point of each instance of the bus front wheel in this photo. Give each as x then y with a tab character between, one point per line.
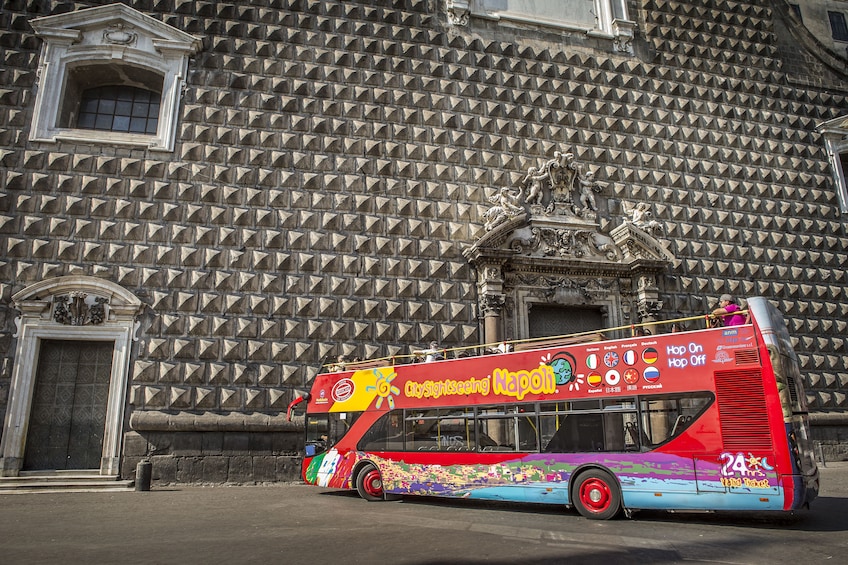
596	495
369	483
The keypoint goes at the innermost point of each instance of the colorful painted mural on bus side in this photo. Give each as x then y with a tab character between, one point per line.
544	478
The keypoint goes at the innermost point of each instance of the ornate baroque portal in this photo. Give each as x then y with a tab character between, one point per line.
68	309
551	242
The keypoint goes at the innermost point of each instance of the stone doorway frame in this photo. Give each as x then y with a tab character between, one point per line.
44	316
509	285
523	298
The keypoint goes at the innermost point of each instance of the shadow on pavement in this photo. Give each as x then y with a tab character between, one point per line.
827	514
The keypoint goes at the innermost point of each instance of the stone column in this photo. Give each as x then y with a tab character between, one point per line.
490	309
648	304
489	263
491	300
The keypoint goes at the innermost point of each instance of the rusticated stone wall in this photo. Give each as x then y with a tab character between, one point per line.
213	448
333	159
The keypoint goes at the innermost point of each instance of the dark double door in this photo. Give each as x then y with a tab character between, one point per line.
548	320
68	414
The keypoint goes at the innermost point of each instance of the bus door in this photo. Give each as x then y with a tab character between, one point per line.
706	477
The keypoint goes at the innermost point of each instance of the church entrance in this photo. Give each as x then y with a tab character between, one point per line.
550	320
563	255
69	405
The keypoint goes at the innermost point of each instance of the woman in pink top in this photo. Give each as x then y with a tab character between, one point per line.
728	310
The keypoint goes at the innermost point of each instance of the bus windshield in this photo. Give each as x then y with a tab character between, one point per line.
325	430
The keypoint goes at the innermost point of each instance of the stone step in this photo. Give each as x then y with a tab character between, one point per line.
65	481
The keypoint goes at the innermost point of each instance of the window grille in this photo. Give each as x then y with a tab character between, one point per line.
119	108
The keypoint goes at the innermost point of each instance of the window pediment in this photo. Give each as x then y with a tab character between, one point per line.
837	127
114	26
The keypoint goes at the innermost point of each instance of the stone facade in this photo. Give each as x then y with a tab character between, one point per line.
329	192
815	16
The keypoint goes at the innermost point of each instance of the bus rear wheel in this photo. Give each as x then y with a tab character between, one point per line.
369	483
596	495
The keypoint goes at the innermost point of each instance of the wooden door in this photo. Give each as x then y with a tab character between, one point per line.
68	415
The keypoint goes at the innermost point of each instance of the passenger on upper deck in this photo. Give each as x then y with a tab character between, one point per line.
432	353
728	312
339	365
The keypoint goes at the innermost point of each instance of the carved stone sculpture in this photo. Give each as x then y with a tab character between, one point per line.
507	205
640	216
74	310
558	189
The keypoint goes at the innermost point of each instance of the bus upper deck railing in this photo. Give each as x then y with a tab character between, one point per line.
644	329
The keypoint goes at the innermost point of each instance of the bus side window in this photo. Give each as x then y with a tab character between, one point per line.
455	433
557	443
782	376
564	438
587	427
579	432
421	430
528	437
614	438
631	436
484	440
385	435
507	428
666	417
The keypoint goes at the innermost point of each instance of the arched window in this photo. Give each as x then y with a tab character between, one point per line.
119	108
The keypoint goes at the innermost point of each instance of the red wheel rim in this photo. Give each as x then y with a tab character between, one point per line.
372	483
595	495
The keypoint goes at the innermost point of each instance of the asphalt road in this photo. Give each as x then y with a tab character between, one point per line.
293	524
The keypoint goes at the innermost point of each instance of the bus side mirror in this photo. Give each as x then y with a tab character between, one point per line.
295	402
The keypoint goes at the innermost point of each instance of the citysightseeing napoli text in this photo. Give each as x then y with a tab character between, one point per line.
502	382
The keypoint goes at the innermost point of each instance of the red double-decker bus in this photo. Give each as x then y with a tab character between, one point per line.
711	419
